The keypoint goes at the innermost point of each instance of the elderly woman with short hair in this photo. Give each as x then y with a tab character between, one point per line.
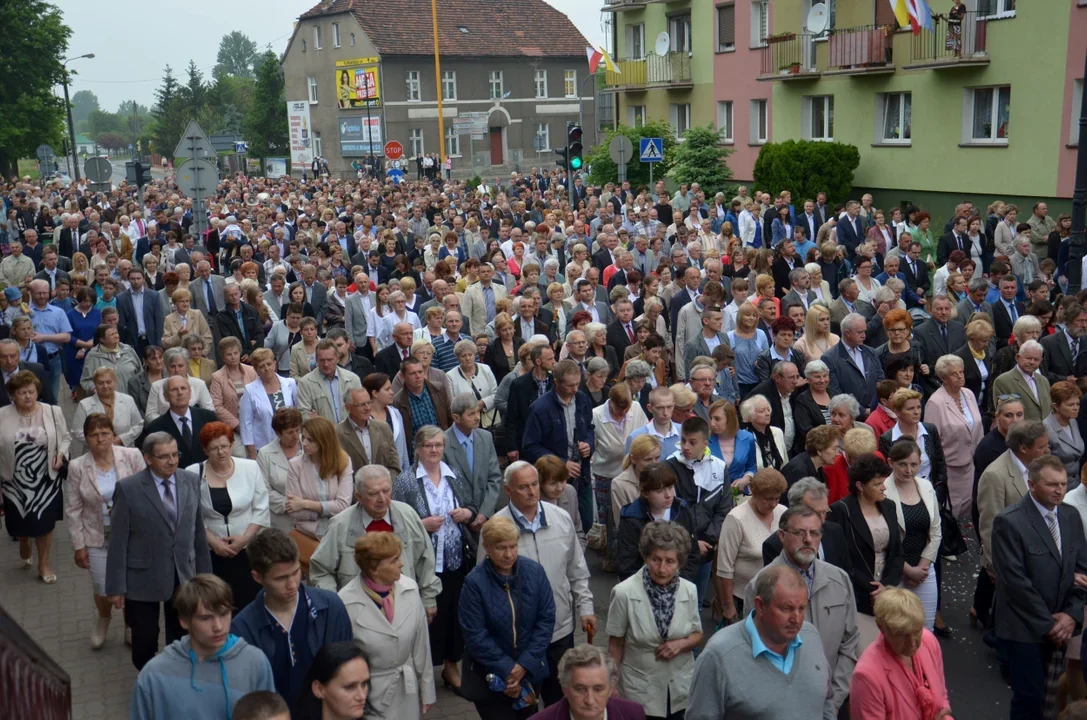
638	376
472	377
811	406
387	616
109	351
595	383
507	615
184	321
120	409
770	450
228	385
954	412
200	366
443	498
597	335
654	624
1065	440
1027	327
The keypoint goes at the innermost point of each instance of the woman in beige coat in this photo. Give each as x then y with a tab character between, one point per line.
388	618
227	387
319	485
184	321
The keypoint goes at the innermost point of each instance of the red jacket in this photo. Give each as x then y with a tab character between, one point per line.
880	421
837	477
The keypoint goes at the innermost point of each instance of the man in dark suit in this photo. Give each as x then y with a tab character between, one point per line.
143	326
1006	310
156	543
787	261
938	336
50	269
365	441
470	450
605	256
851	228
180	418
388	360
777	389
854	367
620	333
524	391
525	322
1063	347
238	320
915	270
975	301
316	292
207	291
11	364
952	241
1038	549
692	280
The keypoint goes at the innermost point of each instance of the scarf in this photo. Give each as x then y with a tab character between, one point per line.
768	449
662	598
926	701
382	595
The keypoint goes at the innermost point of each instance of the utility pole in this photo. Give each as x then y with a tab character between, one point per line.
68	107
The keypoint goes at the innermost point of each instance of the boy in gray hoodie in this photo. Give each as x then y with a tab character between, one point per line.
205	673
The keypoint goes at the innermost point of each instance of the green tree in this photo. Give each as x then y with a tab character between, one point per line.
169	115
83	103
30	113
700	158
112	141
237	56
194	93
603	168
806	168
266	123
100	123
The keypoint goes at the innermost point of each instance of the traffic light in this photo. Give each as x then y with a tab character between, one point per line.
573	148
561	160
141	174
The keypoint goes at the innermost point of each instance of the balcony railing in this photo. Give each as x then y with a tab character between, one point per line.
860	49
952	43
788	56
671	69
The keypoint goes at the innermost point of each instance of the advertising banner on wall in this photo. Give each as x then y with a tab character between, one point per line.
275	167
300	132
359	135
357	83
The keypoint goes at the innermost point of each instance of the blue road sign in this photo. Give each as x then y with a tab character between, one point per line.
396	175
651	150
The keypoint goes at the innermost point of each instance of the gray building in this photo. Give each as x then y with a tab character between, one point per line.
514	70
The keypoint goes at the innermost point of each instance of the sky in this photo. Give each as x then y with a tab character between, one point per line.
126	68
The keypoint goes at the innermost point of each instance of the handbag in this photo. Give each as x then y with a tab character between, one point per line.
62	473
307	545
951	542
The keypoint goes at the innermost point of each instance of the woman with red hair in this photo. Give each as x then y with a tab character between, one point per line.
234	504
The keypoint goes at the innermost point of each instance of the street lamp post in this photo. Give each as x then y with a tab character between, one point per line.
68	108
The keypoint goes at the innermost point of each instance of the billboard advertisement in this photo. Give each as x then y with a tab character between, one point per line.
300	132
357	83
360	135
275	167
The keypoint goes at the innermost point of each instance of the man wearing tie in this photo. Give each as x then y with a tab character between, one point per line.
50	272
207	290
1025	381
156	543
620	333
182	421
1038	550
851	227
1006	310
388	360
954	240
939	336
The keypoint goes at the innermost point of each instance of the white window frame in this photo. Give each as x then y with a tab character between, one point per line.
636	115
316	37
317	146
679	33
415	140
449	83
970	97
495	78
544	130
725	119
1002	10
885	102
352	39
679	117
811	104
760	23
452	142
569	79
760	121
541	83
635	48
1077	99
311	84
414	83
335	35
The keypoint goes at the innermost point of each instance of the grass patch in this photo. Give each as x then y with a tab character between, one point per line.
29	167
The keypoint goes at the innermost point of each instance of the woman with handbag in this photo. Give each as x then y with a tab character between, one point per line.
319	485
33	466
443	500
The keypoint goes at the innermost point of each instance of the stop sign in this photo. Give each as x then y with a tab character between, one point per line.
394	150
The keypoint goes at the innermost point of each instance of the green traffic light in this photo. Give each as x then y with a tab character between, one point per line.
575	163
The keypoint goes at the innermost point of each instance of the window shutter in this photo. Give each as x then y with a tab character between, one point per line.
885	14
726	27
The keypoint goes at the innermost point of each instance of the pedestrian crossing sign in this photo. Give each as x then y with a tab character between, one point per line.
651	150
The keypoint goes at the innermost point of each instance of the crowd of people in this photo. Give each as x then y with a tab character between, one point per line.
357	431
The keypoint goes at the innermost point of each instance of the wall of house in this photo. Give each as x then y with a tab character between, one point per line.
1077	50
936	161
736	79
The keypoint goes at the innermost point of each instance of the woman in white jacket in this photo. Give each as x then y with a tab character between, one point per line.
918	522
260	400
234	505
747	222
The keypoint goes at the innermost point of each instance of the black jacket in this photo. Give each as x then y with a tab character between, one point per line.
1002	322
806	415
796	470
862	557
933	448
165	423
709	508
835	550
973	379
1057	362
764	363
225	324
632	520
388	360
523	392
495	357
932	347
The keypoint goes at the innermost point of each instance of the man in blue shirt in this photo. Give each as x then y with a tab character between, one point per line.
51	329
288	620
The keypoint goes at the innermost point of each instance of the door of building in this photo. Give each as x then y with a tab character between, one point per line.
496	146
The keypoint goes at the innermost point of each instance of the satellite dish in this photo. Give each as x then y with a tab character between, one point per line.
664	44
818	19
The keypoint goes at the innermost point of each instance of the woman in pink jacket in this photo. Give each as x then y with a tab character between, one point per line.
901	675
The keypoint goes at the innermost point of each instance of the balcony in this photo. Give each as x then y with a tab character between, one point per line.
951	44
673	70
865	50
788	57
621	5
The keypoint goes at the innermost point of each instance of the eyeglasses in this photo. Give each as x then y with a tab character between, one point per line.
434	446
813	534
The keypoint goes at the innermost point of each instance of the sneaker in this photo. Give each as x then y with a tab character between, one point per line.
98	637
